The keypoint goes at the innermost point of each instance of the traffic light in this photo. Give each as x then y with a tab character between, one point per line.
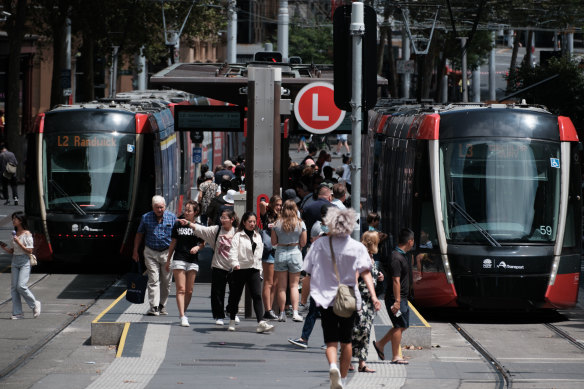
268	56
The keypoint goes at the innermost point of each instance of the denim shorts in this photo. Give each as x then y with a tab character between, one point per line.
269	259
187	266
288	258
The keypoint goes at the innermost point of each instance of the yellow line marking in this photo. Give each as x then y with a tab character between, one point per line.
418	314
123	340
108	308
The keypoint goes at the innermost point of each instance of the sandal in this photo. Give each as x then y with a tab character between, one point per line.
379	352
351	368
365	369
400	362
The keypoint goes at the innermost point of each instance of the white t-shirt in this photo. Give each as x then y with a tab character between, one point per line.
26	240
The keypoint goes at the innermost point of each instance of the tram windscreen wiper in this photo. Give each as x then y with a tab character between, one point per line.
475	224
60	190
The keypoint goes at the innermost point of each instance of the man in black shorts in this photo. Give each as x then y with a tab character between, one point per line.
396	298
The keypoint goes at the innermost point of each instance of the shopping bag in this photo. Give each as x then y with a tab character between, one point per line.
136	285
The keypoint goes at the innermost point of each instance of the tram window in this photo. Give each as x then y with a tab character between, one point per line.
509	188
94	173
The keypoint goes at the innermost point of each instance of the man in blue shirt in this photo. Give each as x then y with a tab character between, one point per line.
156	229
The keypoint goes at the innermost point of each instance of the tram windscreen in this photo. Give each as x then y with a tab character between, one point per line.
90	172
508	187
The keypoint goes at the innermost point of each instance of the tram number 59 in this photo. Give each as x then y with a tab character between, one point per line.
545	230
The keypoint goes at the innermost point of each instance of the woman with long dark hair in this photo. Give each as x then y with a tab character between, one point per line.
245	257
184	253
219	238
21	248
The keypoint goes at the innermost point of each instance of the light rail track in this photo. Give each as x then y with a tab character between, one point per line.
31	285
40	344
505	379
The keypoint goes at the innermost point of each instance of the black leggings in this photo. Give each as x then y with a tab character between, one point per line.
251	278
219	279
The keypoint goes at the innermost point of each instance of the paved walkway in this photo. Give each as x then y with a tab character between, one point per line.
160	353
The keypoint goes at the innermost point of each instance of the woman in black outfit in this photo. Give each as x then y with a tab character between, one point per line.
185	246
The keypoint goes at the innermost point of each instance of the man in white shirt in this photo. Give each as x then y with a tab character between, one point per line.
339	195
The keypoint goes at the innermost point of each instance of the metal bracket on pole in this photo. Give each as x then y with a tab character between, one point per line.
415	39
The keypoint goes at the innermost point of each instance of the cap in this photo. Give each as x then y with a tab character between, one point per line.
228	163
290	194
229	196
209	175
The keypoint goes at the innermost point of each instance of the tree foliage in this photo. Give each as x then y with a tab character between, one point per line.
313	44
563	95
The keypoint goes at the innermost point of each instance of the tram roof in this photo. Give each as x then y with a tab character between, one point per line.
223	81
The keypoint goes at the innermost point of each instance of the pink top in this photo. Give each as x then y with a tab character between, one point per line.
351	257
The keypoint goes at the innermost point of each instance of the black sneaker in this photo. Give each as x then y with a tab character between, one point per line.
162	310
16	201
153	311
270	315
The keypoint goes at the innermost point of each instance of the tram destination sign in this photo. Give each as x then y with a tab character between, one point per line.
208	118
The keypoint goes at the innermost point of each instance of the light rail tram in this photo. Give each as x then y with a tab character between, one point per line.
93	168
493	194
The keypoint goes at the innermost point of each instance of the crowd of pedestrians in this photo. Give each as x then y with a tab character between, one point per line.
300	241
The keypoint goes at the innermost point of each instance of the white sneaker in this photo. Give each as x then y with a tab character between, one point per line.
17	317
36	311
184	321
219	322
263	326
231	325
297	317
335	376
282	317
237	319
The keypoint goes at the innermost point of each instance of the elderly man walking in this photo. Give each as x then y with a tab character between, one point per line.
156	230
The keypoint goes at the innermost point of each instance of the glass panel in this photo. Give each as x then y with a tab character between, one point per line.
510	188
92	171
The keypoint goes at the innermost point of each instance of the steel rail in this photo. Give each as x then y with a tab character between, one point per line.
505	381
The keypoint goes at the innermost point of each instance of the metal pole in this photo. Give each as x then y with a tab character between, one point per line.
357	30
476	85
283	22
68	52
406	57
464	70
492	71
570	43
143	73
114	71
232	32
444	97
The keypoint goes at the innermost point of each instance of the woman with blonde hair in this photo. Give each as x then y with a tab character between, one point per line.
331	261
269	214
289	237
364	320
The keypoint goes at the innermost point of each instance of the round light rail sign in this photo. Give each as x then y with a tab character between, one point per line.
315	109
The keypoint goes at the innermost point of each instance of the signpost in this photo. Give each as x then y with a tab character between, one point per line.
315	109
